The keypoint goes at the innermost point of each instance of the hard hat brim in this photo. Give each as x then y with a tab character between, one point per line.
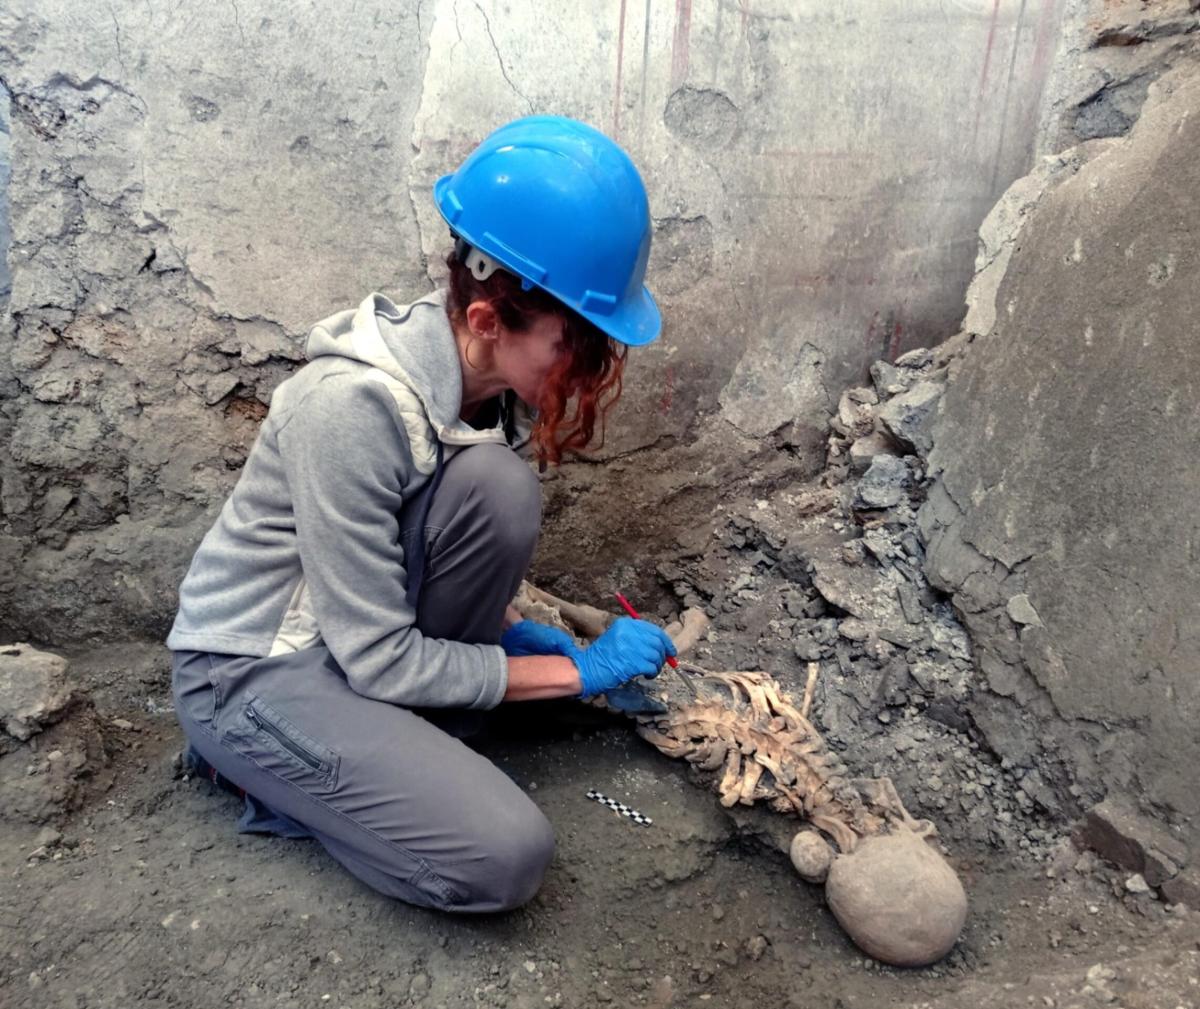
635	322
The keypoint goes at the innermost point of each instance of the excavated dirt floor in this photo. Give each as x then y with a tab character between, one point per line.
144	893
150	897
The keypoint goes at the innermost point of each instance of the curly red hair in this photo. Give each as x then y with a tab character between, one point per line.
585	384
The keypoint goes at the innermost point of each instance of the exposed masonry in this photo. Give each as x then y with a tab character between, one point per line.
104	438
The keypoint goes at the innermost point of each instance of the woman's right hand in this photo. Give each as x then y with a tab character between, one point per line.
627	649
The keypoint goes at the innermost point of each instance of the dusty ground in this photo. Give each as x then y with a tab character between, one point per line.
149	896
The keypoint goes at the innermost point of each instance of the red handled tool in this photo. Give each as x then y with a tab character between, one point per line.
628	606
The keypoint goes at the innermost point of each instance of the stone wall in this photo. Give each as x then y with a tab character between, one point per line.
194	185
1066	462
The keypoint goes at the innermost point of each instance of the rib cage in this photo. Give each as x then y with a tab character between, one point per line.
764	750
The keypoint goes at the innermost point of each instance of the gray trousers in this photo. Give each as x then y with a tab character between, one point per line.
404	805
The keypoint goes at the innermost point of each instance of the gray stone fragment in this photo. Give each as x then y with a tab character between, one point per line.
1002	678
795	602
924	673
951	639
33	689
47	837
879	544
919	358
909	416
853	552
882	486
910	604
869	447
1136	884
890	380
1120	834
1183	889
854	416
945	712
853	629
911	545
862	591
901	636
806	648
1021	611
825	630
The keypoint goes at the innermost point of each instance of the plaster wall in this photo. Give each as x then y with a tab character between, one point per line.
5	228
195	185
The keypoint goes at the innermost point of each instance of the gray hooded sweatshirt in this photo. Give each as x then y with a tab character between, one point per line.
307	548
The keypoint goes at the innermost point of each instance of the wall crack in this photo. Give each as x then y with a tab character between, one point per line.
500	59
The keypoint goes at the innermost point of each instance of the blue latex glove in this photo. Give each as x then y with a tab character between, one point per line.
528	637
627	649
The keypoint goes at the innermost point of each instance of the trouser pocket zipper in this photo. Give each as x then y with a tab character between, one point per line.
289	744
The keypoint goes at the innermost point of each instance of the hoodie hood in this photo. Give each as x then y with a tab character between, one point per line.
414	345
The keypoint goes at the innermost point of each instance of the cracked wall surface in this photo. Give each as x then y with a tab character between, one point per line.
191	188
1066	464
194	185
1110	51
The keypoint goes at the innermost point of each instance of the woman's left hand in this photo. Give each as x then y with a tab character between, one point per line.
531	638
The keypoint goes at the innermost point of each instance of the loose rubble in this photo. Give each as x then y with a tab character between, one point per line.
53	746
832	572
33	690
1121	835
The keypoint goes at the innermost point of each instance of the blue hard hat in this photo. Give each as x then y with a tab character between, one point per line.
560	205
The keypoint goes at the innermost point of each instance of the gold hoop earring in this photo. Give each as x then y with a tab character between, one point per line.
467	355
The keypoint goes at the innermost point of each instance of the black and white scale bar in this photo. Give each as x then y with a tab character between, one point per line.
619	807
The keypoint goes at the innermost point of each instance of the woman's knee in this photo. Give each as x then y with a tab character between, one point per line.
502	488
512	865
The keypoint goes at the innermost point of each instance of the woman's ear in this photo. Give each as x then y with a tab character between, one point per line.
483	321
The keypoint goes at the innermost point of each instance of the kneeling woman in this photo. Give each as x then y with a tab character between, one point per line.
356	583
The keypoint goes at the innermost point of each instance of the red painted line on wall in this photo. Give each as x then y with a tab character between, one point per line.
645	71
807	152
668	395
871	341
681	42
616	122
1045	31
1044	46
987	62
784	279
894	343
1008	92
